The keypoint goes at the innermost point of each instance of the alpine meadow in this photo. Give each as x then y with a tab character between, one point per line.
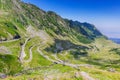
41	45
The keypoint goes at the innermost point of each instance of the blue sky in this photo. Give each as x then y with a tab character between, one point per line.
104	14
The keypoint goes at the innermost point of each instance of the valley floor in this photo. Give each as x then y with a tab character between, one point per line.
37	64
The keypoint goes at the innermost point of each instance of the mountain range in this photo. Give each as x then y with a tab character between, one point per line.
41	45
116	40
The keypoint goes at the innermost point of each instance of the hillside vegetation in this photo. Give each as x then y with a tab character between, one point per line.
40	45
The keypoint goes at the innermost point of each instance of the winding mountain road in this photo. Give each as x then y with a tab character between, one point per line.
58	61
55	56
86	76
9	41
22	52
45	56
30	53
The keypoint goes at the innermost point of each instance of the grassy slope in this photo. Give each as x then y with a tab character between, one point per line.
98	54
101	60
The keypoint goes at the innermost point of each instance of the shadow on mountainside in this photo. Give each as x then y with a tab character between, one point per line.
62	45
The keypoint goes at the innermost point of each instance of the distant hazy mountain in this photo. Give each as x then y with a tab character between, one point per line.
116	40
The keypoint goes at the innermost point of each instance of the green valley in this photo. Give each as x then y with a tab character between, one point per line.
41	45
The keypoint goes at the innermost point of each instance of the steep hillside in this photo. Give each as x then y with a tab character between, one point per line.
35	44
16	18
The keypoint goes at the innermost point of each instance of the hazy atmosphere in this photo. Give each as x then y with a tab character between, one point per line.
104	14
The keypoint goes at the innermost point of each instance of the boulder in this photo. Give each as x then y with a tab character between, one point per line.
111	70
2	75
